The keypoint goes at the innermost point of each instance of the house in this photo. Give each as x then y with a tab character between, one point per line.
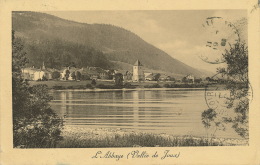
190	78
92	74
103	75
36	74
147	74
68	73
149	77
28	73
164	77
39	75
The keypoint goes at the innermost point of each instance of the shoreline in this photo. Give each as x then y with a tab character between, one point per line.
78	133
129	89
86	85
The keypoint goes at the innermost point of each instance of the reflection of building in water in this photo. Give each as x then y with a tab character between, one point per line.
65	108
138	106
135	108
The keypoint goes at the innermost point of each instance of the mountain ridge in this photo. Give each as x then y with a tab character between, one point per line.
87	44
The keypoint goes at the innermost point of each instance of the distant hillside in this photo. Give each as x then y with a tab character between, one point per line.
59	42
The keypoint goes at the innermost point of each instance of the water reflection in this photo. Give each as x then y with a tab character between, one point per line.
175	112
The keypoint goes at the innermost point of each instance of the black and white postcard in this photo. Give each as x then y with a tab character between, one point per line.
130	82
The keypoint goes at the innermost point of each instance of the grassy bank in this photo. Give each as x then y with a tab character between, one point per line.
59	85
79	137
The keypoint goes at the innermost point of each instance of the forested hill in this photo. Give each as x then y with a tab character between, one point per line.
59	42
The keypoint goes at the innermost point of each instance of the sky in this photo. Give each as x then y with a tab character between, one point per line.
177	32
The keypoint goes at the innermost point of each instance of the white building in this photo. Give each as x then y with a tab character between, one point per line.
39	74
138	73
35	74
190	78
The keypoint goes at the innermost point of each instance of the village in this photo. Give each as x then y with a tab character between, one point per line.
72	73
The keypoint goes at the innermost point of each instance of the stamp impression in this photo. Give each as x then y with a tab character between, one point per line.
220	35
217	98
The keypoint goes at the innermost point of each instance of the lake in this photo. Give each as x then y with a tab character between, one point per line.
170	111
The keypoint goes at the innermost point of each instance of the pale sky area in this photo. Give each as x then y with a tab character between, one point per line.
177	32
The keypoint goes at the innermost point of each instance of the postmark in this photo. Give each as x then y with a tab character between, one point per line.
220	35
218	98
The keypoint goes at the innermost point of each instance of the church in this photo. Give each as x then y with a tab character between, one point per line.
138	73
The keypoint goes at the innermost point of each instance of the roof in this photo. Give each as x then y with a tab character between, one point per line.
149	76
138	63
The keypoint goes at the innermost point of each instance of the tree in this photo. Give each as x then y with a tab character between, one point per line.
119	79
85	77
111	74
172	79
34	122
157	76
198	80
55	75
237	84
209	118
78	75
67	74
73	75
208	79
184	80
44	78
93	82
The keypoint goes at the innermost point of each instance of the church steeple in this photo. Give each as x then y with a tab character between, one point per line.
138	63
138	74
43	66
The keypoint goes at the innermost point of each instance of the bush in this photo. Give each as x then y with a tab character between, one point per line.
44	78
89	86
128	85
35	123
166	85
57	87
85	77
100	86
55	75
78	75
93	82
152	86
77	87
119	79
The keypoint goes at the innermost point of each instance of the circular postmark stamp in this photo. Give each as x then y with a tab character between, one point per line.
219	98
219	36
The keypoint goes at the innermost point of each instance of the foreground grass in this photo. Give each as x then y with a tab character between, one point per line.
82	137
135	140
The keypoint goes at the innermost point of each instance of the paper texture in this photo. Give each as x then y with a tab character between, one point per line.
187	155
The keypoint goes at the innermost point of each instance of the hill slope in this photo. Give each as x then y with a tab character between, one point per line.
58	42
